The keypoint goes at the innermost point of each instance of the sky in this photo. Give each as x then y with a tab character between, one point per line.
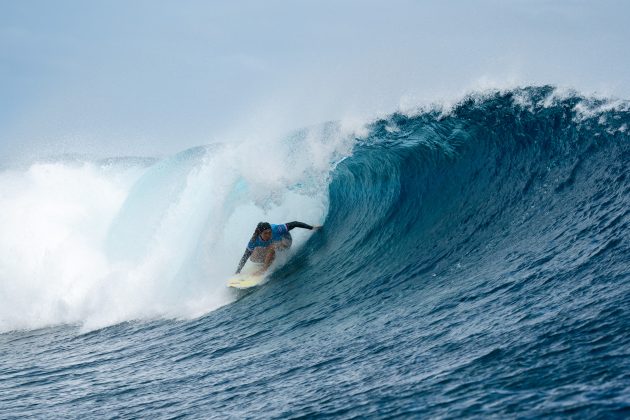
151	78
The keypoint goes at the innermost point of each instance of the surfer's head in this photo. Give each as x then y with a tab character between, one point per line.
263	229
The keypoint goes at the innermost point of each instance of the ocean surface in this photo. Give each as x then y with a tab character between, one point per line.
474	262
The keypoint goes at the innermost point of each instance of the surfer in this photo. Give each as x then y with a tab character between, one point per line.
268	238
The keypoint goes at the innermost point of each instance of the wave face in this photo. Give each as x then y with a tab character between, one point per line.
474	262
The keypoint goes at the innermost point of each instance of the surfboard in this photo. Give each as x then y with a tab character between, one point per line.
247	278
245	281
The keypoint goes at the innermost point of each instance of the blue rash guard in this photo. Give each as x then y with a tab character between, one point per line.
277	232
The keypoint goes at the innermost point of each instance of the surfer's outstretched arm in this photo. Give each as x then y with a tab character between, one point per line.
243	260
292	225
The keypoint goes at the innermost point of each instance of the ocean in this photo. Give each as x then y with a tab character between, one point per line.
474	261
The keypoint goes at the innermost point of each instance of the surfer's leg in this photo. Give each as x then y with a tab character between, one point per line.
258	256
271	255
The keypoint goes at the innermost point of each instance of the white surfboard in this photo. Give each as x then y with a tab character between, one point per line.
246	278
245	281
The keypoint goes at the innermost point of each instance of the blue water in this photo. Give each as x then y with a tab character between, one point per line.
473	262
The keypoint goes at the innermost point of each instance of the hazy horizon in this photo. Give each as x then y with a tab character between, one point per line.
142	78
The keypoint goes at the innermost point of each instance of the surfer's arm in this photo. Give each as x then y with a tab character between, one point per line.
292	225
246	255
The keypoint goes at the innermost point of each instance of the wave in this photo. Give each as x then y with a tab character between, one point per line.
519	182
473	262
498	180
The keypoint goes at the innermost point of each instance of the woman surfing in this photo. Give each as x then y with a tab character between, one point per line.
268	238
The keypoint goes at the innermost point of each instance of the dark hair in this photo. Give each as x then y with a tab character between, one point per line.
260	227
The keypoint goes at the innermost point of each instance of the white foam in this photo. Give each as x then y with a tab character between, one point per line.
62	224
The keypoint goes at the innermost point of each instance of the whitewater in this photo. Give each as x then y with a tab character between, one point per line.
474	261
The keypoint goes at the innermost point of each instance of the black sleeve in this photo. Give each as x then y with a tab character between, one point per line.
292	225
243	260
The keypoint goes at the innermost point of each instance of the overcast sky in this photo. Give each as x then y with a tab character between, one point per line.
155	77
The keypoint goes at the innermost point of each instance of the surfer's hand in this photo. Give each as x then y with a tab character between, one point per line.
317	227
